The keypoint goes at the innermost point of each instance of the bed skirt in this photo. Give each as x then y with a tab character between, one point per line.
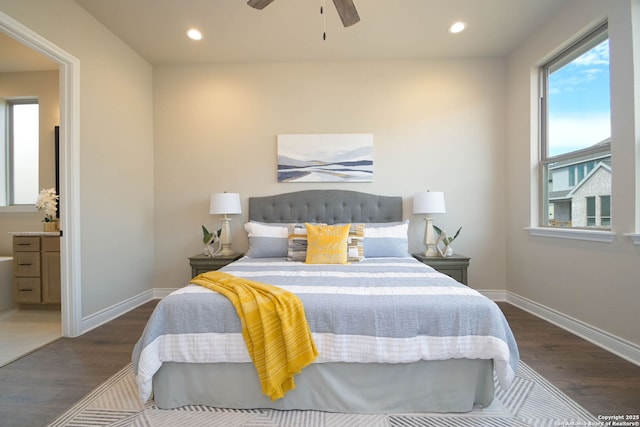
455	385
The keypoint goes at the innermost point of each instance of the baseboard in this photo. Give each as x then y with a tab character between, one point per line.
613	344
494	295
103	316
159	293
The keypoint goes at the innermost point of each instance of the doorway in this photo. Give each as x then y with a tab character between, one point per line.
70	258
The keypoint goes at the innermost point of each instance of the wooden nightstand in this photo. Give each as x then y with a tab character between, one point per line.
454	266
201	263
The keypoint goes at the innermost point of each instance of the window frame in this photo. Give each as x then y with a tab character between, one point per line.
581	46
8	147
605	214
591	210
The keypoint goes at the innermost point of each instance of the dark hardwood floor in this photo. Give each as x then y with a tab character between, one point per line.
601	382
37	388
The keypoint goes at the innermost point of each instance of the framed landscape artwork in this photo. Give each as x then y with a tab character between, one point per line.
325	157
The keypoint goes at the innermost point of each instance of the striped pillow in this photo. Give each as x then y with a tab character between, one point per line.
297	242
355	243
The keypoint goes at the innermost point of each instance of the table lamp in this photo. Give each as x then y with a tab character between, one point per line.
225	204
429	202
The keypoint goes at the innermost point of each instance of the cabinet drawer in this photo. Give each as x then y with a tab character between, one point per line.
26	264
28	289
26	244
50	244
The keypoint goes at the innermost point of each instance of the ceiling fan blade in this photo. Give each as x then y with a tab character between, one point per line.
259	4
347	11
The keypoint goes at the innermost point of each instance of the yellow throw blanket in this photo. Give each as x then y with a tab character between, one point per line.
274	328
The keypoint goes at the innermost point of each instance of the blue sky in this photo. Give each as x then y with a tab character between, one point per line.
579	106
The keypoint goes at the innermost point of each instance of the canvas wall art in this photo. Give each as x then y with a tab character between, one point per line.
325	157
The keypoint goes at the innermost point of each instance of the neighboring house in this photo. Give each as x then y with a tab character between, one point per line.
580	192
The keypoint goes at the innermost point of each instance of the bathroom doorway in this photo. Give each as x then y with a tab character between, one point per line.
68	69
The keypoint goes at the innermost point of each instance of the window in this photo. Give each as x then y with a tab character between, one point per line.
21	153
591	211
605	211
575	151
599	211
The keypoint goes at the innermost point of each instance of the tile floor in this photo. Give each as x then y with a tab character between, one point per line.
23	331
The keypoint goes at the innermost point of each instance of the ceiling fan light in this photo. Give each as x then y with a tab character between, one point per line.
194	34
457	27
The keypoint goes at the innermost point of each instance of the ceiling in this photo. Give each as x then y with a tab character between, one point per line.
291	30
16	57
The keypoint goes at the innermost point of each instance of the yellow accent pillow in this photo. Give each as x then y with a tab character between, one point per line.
327	244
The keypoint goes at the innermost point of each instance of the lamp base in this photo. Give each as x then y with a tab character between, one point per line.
431	252
226	251
430	239
225	239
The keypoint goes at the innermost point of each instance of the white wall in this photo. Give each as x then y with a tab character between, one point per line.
593	283
116	150
437	125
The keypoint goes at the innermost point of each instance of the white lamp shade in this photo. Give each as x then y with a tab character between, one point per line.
225	203
429	202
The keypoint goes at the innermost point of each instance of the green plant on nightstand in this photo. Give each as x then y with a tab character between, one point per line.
211	242
445	249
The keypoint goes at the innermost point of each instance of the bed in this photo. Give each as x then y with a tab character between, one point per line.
393	334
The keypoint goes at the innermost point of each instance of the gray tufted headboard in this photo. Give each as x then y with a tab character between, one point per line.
328	206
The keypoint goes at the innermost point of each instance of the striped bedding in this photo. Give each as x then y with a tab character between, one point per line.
380	310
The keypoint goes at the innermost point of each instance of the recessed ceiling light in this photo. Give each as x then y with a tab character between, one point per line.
457	27
194	34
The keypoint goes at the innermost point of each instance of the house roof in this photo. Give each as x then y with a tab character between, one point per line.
600	165
559	196
586	157
566	195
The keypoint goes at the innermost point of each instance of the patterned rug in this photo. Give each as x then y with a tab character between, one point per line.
530	401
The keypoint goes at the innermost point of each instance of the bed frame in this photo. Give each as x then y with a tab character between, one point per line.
425	386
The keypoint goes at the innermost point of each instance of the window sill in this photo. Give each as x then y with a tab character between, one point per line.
635	238
18	209
574	234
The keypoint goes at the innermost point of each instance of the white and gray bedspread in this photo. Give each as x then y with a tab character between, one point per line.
380	310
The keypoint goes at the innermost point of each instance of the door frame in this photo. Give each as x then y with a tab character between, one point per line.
70	253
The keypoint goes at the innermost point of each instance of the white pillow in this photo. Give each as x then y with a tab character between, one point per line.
386	239
267	240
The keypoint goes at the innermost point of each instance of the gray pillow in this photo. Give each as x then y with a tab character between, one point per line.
266	240
386	239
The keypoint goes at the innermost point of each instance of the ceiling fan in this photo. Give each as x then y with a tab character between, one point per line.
346	9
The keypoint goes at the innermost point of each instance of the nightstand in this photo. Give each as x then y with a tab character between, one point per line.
201	263
454	266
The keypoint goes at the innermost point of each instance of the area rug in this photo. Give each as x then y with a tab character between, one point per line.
530	401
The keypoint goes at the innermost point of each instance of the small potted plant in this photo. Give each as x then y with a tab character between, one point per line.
211	242
445	249
48	202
